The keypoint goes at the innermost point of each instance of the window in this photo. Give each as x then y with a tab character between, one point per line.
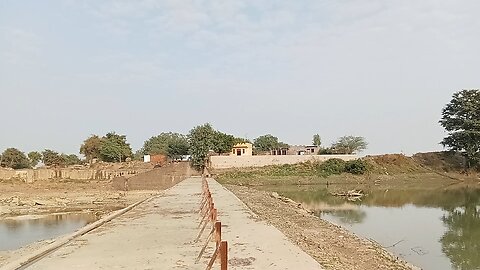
243	151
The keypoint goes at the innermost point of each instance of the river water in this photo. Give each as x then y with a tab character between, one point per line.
21	231
431	228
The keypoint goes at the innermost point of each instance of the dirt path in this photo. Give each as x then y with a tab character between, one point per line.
333	247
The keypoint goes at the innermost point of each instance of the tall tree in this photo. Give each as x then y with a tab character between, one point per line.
91	147
52	158
171	144
15	159
349	145
71	159
317	141
34	157
267	142
222	142
201	142
178	147
115	148
461	119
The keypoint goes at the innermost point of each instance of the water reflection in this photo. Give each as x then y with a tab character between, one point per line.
461	242
350	216
20	231
444	224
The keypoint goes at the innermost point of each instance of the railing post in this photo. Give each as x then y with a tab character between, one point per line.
218	233
223	255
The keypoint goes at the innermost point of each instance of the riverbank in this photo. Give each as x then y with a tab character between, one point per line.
18	198
332	246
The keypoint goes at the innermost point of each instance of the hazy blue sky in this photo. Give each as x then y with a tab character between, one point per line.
379	69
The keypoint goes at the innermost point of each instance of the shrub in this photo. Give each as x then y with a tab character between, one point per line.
326	151
357	166
332	166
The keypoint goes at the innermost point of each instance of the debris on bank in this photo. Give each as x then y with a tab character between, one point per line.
292	202
351	195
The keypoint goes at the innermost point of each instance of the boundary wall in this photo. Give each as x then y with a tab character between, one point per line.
32	175
226	162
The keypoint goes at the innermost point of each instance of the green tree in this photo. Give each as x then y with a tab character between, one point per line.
201	140
461	119
267	142
52	158
69	160
171	144
91	147
317	141
222	142
349	145
15	159
34	157
115	148
178	147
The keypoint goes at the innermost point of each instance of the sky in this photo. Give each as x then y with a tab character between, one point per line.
380	69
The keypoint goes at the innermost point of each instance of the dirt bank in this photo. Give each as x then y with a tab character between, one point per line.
333	247
41	197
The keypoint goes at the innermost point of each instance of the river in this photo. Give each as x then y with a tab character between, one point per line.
20	231
430	228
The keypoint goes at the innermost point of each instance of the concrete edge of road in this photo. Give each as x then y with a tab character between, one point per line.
26	260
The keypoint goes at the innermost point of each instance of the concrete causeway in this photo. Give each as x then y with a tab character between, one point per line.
160	234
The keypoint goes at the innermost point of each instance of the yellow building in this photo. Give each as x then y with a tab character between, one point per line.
242	149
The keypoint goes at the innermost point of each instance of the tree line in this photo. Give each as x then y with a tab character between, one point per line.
16	159
460	118
198	143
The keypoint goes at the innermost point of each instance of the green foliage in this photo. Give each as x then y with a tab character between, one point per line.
171	144
241	140
317	141
332	166
357	166
222	143
201	142
91	147
177	147
461	119
34	157
267	142
15	159
52	158
115	148
349	145
326	151
68	160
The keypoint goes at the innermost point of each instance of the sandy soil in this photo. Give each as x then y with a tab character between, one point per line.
332	246
41	197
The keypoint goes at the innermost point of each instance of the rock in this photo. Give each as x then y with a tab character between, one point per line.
62	201
275	195
4	211
15	200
